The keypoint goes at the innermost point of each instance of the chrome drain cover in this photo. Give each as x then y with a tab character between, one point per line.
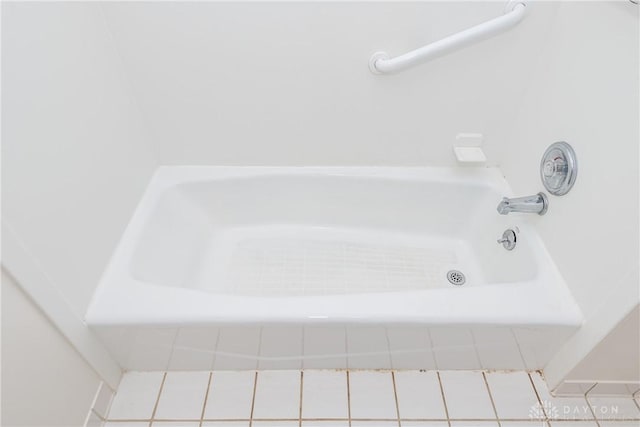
456	277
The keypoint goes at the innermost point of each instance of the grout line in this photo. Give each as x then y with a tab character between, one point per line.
301	386
253	398
493	405
206	397
93	411
259	358
386	336
346	352
302	350
173	348
591	410
395	397
92	408
515	339
636	398
535	390
432	350
444	401
215	350
590	388
155	407
348	399
475	348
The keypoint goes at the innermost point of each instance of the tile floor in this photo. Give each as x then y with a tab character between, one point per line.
357	399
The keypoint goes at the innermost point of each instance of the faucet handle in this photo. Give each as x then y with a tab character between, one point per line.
508	240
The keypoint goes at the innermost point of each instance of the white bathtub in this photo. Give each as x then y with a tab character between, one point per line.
257	267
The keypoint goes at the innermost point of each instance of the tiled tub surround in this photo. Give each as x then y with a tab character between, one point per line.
305	268
335	398
332	346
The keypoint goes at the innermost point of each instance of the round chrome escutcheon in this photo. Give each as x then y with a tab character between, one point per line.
559	168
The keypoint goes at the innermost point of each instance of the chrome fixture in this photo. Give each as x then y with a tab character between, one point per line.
529	204
559	168
508	239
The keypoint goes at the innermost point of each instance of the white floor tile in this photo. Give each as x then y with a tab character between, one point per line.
425	424
372	395
175	424
577	424
277	395
356	423
614	408
275	424
466	395
324	394
126	424
513	394
539	423
474	424
230	395
136	396
540	385
611	424
419	395
568	408
561	408
341	423
573	389
613	390
103	400
225	424
93	421
182	395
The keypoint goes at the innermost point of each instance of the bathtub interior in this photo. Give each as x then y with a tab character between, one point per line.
275	235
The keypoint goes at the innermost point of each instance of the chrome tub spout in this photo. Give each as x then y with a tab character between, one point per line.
537	203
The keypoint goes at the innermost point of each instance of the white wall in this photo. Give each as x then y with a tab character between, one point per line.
288	83
45	382
585	91
616	357
75	154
